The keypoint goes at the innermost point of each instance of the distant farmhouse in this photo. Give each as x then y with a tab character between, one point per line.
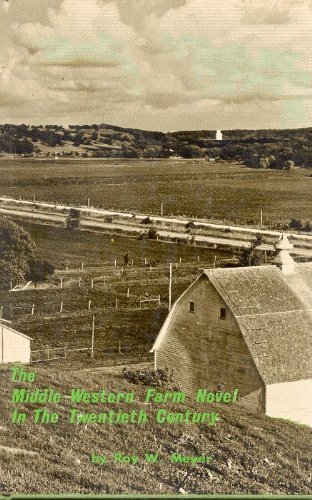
248	328
14	346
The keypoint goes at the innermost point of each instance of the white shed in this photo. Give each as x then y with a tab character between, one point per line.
14	346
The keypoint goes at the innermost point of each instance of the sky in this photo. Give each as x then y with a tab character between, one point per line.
157	64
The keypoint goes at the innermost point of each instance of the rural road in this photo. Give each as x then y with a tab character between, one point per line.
302	241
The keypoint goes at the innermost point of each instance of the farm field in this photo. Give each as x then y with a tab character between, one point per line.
279	463
98	249
59	313
221	192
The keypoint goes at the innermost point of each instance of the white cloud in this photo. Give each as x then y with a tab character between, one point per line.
157	62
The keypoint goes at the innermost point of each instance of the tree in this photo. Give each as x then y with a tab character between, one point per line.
39	270
16	251
16	245
151	234
9	275
146	220
295	224
73	219
251	256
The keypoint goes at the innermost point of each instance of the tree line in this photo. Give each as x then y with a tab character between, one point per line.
274	149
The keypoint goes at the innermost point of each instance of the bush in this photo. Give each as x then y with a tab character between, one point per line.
73	219
308	226
189	225
152	234
147	220
152	378
108	218
295	224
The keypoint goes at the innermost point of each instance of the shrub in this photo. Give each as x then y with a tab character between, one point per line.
295	224
189	225
147	220
152	378
151	234
73	219
308	226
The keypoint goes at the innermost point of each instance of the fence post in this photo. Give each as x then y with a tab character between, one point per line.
1	311
82	265
32	309
92	283
61	308
79	282
89	305
128	293
61	282
158	299
116	305
92	337
119	346
115	263
170	287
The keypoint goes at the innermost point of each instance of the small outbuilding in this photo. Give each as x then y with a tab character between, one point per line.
14	346
248	328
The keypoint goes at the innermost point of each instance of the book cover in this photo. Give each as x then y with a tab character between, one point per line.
155	249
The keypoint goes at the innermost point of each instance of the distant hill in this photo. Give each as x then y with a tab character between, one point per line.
251	453
280	149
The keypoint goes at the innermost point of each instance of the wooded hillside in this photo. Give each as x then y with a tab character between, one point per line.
278	149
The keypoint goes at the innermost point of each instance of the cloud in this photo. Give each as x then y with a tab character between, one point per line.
262	15
155	62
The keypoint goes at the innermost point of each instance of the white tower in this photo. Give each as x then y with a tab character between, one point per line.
283	260
218	135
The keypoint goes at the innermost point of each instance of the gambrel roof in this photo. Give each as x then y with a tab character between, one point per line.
274	313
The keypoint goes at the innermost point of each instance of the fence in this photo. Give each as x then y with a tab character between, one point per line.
51	353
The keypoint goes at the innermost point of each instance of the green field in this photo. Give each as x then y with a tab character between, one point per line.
193	188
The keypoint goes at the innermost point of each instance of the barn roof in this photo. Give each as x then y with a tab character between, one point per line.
274	313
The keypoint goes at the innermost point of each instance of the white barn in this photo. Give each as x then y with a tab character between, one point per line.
14	346
248	328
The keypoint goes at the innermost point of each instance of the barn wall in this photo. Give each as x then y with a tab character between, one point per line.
13	346
290	400
204	351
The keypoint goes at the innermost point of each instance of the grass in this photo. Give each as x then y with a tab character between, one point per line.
192	188
251	453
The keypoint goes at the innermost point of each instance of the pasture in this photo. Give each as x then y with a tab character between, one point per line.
221	192
59	313
97	249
